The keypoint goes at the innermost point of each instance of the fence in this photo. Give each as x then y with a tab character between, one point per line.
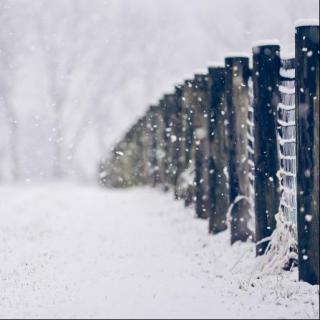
241	144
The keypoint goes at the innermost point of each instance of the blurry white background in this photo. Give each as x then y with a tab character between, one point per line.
75	74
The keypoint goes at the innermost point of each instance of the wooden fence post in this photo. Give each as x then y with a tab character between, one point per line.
177	143
160	143
169	109
125	157
307	137
165	144
173	112
153	161
140	164
266	66
218	161
135	154
188	149
237	100
182	165
201	138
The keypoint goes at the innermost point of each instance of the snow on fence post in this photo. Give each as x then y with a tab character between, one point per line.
237	101
307	137
202	146
218	179
266	66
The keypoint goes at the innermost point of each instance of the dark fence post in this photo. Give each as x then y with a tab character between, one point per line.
266	66
153	162
169	120
218	161
201	138
159	134
177	140
307	137
173	131
187	178
146	155
182	165
119	169
135	154
143	159
237	100
140	146
165	144
125	159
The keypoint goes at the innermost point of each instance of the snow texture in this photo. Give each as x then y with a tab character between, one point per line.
306	22
267	42
238	55
70	252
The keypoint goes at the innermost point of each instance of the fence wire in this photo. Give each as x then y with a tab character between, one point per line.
287	141
250	146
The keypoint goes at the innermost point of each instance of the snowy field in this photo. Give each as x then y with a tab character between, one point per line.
69	252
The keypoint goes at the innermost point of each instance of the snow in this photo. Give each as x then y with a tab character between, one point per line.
306	22
70	251
266	42
201	71
287	54
216	64
237	55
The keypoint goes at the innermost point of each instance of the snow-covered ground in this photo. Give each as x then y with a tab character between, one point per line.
70	251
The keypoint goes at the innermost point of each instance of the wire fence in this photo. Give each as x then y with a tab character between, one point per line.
287	142
250	146
241	145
